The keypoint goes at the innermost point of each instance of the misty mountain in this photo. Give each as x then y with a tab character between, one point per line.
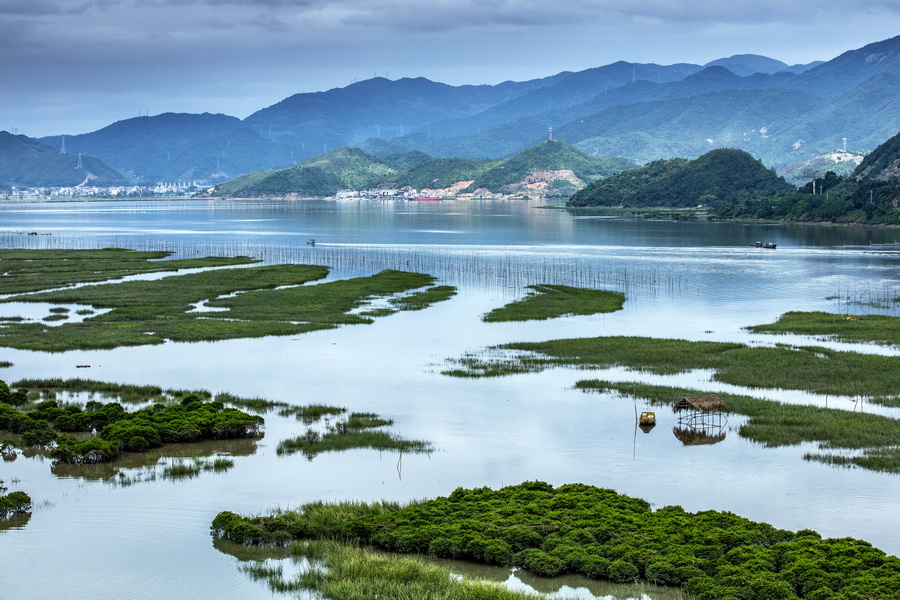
140	147
748	64
642	111
25	162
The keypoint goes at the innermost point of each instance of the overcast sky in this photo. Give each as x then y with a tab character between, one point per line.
74	66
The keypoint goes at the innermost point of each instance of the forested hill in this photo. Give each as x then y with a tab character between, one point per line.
549	168
714	179
734	185
26	162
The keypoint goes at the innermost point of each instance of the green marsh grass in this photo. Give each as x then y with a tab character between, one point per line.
35	270
356	432
424	299
876	329
272	301
130	394
306	413
182	470
553	301
352	573
809	368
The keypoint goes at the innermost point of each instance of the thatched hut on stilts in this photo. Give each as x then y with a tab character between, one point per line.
701	419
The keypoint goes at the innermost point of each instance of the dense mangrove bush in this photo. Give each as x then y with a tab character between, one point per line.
116	430
14	503
598	533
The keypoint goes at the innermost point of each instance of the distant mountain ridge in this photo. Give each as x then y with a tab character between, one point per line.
641	111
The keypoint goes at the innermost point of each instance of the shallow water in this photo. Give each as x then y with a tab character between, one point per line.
692	280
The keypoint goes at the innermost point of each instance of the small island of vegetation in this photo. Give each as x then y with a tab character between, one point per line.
551	301
587	530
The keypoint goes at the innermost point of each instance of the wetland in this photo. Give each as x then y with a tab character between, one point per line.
693	293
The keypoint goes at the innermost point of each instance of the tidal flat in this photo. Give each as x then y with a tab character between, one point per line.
694	281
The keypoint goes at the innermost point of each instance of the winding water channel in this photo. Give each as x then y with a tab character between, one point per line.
95	537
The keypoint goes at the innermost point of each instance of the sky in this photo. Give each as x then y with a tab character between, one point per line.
75	66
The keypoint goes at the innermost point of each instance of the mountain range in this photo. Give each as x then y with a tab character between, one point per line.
643	112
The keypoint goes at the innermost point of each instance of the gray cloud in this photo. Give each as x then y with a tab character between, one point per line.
234	56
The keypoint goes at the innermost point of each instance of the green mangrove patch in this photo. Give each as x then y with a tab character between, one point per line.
214	305
118	430
808	368
553	301
876	329
597	533
35	270
97	432
13	503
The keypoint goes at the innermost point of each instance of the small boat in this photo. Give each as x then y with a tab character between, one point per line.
647	419
426	199
770	245
310	242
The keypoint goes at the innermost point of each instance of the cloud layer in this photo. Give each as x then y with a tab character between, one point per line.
68	65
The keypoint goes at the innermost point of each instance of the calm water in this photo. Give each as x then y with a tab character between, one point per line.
88	537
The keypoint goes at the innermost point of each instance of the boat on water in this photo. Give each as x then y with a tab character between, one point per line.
426	199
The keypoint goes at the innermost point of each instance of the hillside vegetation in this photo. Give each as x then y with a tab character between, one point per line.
734	185
871	194
713	180
351	168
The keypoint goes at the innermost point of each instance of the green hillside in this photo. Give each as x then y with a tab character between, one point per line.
870	195
444	172
716	178
883	163
321	175
302	181
25	162
551	155
351	168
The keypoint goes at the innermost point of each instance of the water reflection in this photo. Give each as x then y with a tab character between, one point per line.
17	521
134	467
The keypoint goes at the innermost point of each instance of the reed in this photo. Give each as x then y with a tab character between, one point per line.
334	441
352	573
182	470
